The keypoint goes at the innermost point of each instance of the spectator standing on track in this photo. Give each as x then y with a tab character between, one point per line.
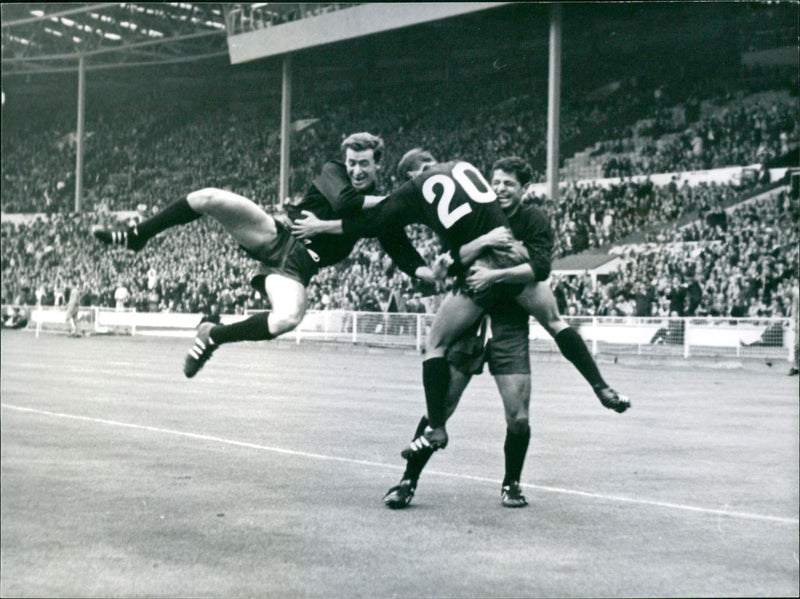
121	296
75	295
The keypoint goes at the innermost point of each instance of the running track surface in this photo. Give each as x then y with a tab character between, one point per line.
263	477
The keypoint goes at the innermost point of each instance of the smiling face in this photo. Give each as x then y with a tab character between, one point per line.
508	189
361	168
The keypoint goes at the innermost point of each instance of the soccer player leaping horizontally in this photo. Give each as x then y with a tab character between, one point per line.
287	265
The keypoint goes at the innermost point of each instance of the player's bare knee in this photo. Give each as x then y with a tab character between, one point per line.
282	323
554	325
518	423
202	199
436	344
435	351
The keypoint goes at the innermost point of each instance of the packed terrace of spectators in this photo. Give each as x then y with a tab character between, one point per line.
146	155
741	265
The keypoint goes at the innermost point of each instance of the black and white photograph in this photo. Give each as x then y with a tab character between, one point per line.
447	300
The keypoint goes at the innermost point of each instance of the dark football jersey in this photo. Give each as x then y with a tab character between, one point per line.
452	198
532	227
331	197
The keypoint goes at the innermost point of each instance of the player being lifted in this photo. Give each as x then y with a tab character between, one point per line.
507	352
287	265
454	199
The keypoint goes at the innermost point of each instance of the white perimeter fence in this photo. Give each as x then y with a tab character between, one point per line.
763	338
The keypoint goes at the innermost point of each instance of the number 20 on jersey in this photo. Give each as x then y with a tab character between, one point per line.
440	189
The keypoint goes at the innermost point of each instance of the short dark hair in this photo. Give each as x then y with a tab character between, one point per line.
364	141
515	166
412	160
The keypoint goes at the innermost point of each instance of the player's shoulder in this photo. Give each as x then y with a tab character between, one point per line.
450	165
333	172
434	169
334	167
533	211
533	215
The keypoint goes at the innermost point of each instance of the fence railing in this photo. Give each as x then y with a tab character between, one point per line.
765	338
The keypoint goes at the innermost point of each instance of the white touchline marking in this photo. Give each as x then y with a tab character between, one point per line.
318	456
199	436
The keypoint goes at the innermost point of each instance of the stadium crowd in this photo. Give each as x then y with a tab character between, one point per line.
194	269
742	264
147	154
589	215
153	149
742	135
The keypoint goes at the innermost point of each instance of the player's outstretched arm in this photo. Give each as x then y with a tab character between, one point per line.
366	223
398	246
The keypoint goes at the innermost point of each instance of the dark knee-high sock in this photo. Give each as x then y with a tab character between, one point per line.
417	462
255	328
574	349
436	379
515	448
176	213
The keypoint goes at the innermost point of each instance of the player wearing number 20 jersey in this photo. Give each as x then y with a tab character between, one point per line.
452	198
455	200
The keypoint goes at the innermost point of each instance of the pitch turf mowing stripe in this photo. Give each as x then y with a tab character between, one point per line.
201	437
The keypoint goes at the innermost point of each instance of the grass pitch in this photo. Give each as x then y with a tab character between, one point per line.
263	477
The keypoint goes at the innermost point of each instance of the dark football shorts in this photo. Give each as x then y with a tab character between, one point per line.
507	352
288	257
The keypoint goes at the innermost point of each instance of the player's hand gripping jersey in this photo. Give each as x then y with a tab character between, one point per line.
331	197
452	198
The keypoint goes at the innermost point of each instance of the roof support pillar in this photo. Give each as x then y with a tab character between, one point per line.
554	102
286	117
79	133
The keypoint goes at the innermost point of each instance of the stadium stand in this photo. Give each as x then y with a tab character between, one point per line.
146	153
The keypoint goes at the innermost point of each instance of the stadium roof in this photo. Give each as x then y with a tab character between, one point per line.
190	39
51	37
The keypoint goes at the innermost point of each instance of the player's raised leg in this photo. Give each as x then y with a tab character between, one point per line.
538	300
242	218
288	299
